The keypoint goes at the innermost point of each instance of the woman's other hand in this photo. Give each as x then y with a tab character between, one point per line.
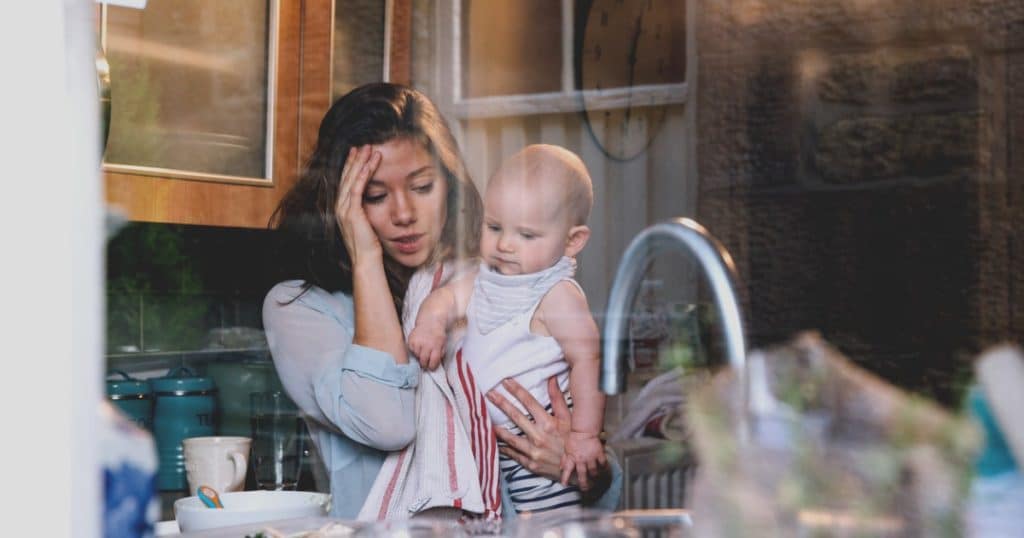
542	446
359	237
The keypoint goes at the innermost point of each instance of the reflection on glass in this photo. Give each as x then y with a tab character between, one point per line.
358	48
189	86
277	440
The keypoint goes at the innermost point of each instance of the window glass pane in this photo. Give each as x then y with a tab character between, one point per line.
629	43
511	48
189	86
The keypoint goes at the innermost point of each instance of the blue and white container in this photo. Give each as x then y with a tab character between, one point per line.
131	506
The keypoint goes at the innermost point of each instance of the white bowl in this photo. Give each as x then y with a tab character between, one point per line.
243	507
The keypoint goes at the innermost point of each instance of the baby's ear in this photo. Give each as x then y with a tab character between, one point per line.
578	237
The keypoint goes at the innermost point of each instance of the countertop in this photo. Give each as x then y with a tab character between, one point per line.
287	527
581	524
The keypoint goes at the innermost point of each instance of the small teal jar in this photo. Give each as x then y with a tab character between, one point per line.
133	397
995	457
185	405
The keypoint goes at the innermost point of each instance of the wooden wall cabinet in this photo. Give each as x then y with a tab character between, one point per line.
300	93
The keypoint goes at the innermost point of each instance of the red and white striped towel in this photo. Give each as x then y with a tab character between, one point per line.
453	462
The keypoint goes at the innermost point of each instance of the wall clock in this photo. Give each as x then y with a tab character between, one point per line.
627	44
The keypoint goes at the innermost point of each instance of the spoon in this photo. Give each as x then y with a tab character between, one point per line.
209	497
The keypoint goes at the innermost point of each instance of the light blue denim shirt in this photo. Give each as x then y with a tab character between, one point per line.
359	404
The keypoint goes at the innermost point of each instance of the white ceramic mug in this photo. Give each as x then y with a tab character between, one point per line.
217	462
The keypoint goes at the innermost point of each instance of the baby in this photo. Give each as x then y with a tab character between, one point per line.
526	317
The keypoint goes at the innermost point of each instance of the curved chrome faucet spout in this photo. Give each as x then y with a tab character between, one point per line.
679	234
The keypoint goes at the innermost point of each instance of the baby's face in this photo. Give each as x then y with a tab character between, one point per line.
526	228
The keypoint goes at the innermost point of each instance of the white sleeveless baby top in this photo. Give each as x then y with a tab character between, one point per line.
498	341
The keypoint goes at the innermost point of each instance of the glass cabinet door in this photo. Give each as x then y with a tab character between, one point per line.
190	88
357	49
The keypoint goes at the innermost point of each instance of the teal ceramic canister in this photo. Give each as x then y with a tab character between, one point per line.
185	406
133	397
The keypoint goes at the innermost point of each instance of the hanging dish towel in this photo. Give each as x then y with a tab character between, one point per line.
452	465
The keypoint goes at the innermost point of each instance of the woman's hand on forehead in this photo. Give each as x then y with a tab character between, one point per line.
359	237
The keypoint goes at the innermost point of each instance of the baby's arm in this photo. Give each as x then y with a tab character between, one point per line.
566	316
439	311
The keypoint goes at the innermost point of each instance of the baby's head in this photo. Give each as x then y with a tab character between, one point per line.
535	210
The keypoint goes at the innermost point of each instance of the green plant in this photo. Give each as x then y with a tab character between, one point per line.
153	279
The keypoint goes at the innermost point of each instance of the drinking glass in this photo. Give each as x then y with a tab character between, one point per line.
277	441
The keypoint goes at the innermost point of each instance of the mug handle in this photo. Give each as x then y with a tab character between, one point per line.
238	478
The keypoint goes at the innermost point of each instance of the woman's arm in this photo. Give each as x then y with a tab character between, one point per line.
376	323
354	390
541	447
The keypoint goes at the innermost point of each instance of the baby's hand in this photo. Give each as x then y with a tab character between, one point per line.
427	341
584	454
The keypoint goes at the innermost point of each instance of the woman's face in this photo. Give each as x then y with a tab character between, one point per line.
405	201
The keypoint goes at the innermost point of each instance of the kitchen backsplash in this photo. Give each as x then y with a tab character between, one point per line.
185	293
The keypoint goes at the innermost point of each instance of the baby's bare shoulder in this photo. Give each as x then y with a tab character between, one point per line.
564	298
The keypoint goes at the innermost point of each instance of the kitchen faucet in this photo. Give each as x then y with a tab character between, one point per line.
679	234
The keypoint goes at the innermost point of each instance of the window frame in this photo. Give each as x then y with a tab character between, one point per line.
448	26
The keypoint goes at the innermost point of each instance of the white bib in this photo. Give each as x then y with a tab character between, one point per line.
498	298
498	342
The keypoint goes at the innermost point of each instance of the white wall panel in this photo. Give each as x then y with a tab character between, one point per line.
599	267
513	137
474	145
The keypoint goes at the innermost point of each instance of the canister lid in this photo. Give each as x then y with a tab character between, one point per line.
128	386
182	382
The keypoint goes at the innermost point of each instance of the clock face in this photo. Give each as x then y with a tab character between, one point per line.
629	43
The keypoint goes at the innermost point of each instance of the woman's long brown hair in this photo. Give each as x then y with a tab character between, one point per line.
309	243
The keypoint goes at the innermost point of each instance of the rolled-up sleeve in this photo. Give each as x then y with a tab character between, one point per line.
381	367
354	390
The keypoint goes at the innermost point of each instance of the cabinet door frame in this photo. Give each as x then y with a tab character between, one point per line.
302	55
274	11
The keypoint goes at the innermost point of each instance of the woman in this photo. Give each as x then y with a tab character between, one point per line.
385	194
